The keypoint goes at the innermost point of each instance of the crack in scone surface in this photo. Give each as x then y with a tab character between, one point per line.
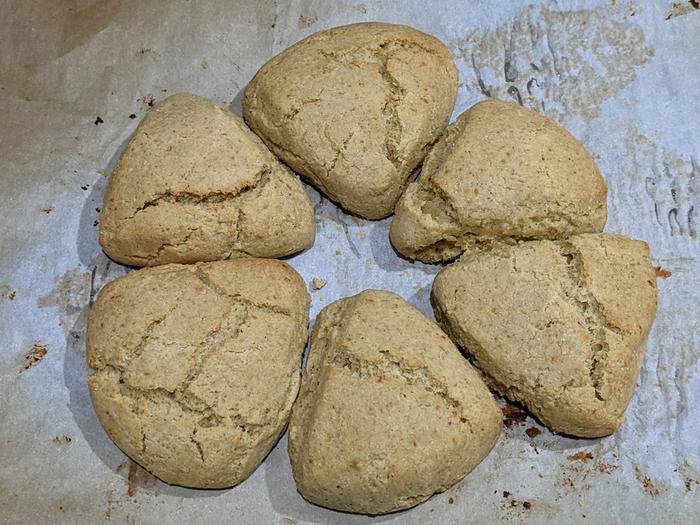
260	179
295	110
205	414
219	291
576	293
146	336
593	317
459	236
394	93
339	150
387	364
205	200
394	126
197	444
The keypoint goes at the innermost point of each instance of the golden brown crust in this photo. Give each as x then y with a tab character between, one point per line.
389	412
194	369
195	184
354	109
557	325
499	172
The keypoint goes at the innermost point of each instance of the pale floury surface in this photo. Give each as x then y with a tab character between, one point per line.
500	171
389	412
194	369
195	184
559	326
354	109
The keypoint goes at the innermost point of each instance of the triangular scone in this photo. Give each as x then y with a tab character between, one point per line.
559	326
195	184
194	368
354	109
389	411
499	172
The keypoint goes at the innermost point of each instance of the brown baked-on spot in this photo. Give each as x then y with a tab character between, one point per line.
11	296
646	482
513	415
131	480
605	468
307	21
450	500
65	439
660	272
506	494
149	100
527	505
649	486
533	432
138	477
580	456
34	356
355	464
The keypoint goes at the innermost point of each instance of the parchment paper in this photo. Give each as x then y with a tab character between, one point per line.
623	76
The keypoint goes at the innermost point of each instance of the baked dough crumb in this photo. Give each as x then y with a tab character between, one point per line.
317	283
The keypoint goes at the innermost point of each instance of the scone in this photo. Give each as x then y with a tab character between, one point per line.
499	172
354	109
195	184
193	369
559	326
389	412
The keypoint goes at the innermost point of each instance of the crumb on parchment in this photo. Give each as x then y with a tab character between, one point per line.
317	283
34	356
580	456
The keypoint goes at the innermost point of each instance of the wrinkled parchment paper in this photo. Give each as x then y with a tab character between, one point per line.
623	76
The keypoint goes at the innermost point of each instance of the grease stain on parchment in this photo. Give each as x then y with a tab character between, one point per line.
81	25
74	293
671	180
71	296
563	64
673	184
306	21
682	8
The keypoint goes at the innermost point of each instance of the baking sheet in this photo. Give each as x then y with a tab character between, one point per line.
623	76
